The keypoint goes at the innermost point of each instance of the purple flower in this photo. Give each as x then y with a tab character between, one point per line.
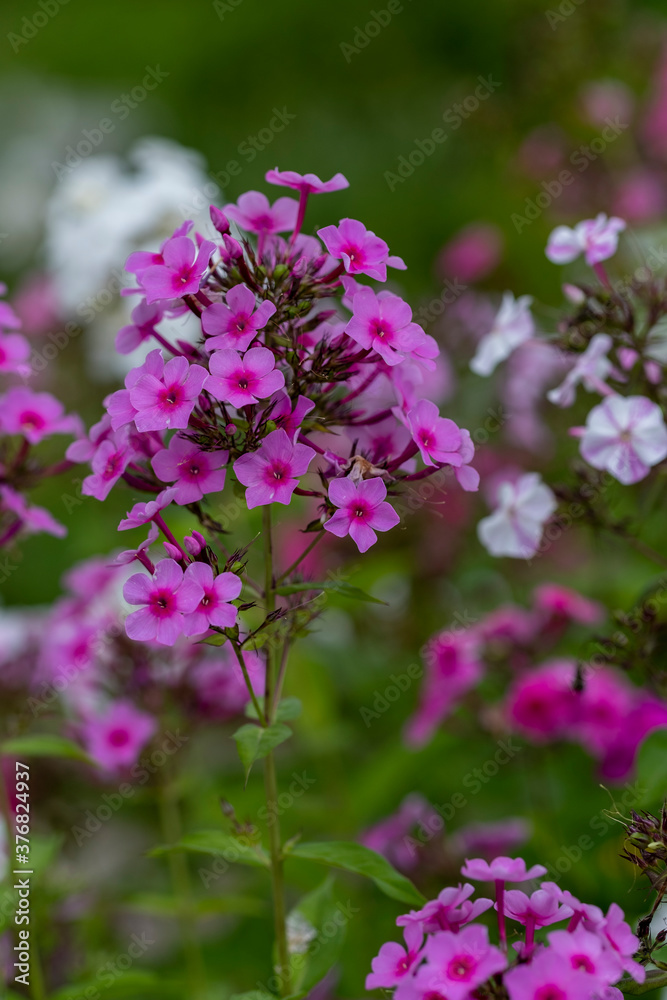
33	519
539	909
596	238
438	438
145	317
235	324
108	464
254	213
241	381
115	738
394	963
362	511
449	912
142	513
383	323
271	473
617	934
164	603
35	415
14	353
547	977
181	271
585	952
625	435
512	326
361	251
212	596
310	183
167	400
501	869
461	962
290	419
194	471
515	527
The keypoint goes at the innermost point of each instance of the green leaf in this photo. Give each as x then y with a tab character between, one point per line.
333	586
213	640
289	708
44	745
655	979
652	769
322	937
254	742
127	984
361	860
233	849
172	906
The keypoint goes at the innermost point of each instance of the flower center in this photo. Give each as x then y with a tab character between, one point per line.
32	420
119	737
461	967
550	992
172	395
243	383
582	962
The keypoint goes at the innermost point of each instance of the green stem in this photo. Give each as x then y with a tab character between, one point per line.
270	781
180	878
251	692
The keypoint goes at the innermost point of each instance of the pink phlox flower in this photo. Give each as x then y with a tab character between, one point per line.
242	381
181	271
590	368
219	684
361	251
501	869
272	472
195	472
604	707
8	318
213	595
290	419
617	935
310	183
626	435
83	449
542	702
254	213
449	912
144	512
382	322
118	404
586	952
547	977
145	318
515	527
453	667
115	738
140	260
35	415
362	510
438	438
129	555
394	962
33	519
649	713
596	238
463	961
391	835
540	909
109	462
14	353
236	323
512	326
164	602
593	914
561	602
166	401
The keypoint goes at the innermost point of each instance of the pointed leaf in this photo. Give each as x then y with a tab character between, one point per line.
44	745
235	850
322	936
288	709
254	742
352	857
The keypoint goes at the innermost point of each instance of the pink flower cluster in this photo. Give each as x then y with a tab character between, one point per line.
449	956
293	389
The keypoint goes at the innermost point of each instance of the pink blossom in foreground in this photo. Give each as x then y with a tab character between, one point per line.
585	951
272	472
181	271
236	323
394	962
501	869
195	472
547	977
254	213
596	238
439	440
626	435
618	934
362	511
382	322
361	251
34	415
449	912
166	401
540	909
515	527
115	739
213	595
512	326
290	419
145	318
309	183
143	512
242	381
108	464
591	368
164	603
458	963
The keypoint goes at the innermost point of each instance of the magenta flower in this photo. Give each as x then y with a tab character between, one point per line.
626	435
142	513
462	962
254	213
394	963
118	404
194	471
212	596
141	551
617	934
438	438
540	909
35	415
361	251
561	602
271	473
108	464
501	869
596	238
542	703
309	183
241	381
547	977
14	353
33	519
290	419
362	511
585	951
166	401
181	271
383	323
449	912
453	666
115	739
164	603
235	324
145	318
